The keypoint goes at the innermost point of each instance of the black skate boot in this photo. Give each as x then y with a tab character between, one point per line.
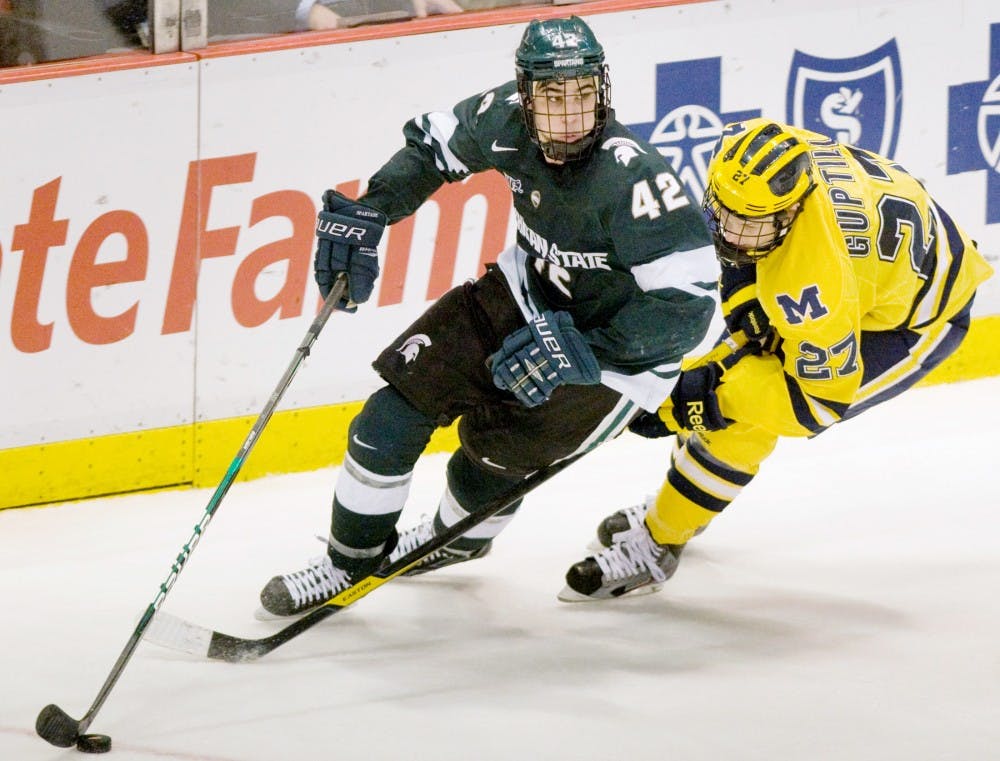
627	519
633	564
325	577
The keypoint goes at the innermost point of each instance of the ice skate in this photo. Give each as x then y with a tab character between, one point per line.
626	519
422	533
325	577
633	564
299	592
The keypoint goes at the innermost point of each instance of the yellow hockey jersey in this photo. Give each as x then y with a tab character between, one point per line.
869	251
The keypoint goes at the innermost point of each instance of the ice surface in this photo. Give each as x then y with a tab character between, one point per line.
845	608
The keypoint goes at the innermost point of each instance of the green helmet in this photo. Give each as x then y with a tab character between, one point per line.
560	50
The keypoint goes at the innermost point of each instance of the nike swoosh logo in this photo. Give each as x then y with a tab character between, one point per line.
491	463
360	443
499	148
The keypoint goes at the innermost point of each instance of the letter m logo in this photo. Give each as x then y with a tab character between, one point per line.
808	305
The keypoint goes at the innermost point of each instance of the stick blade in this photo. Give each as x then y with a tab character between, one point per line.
178	634
175	633
57	727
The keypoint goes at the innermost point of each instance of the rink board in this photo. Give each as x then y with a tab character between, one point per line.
156	227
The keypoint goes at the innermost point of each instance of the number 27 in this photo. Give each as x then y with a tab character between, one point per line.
814	365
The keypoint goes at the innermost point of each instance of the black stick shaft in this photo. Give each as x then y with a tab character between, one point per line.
47	714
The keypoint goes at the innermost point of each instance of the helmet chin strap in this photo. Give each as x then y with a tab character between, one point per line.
559	151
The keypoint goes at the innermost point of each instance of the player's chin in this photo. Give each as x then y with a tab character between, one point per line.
566	139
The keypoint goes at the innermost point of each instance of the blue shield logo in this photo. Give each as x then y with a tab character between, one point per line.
853	100
988	125
974	128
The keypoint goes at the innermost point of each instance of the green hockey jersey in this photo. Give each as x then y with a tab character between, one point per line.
614	239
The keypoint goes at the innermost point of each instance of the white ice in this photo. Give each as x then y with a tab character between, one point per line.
845	608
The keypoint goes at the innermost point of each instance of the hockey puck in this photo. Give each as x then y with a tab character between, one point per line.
93	743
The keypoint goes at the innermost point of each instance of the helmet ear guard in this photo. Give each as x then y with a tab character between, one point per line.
757	180
560	50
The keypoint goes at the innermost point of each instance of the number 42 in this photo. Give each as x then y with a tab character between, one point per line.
645	202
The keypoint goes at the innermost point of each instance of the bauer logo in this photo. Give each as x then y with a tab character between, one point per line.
974	128
853	100
689	117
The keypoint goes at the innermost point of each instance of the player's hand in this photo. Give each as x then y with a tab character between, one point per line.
694	401
546	353
649	425
742	310
347	234
750	318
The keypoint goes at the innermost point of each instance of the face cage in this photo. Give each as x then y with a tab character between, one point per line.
765	242
562	151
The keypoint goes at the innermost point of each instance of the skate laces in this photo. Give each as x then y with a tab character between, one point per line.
412	538
636	514
632	552
317	583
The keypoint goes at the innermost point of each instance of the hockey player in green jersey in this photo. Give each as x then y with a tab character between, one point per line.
577	327
847	281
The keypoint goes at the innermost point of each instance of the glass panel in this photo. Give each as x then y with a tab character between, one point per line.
33	31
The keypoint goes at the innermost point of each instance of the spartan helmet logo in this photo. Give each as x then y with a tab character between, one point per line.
624	149
411	347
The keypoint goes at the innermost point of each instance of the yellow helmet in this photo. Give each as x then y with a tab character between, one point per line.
759	168
758	172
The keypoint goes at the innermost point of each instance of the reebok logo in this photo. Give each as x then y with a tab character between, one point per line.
497	148
696	416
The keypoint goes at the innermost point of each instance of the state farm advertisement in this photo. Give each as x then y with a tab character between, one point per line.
156	224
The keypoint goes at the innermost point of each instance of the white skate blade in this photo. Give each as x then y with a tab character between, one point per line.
568	594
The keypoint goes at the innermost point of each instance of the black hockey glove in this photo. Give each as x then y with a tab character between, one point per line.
751	318
347	233
649	425
742	311
544	354
695	404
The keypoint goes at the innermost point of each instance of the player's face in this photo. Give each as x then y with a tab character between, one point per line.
565	110
752	234
747	233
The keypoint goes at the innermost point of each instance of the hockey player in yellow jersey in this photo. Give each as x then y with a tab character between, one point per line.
843	283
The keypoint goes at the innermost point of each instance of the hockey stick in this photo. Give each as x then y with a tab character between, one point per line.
178	634
56	726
